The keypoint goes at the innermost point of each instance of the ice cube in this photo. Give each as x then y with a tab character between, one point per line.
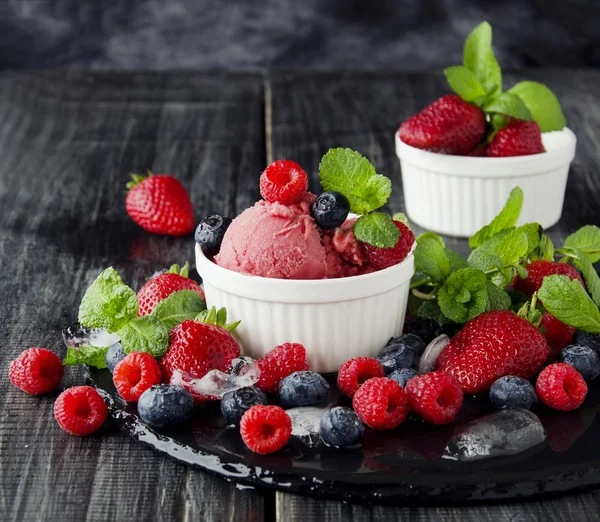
75	336
242	372
306	421
504	432
432	352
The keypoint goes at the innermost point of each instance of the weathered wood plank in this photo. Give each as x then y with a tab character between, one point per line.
311	112
67	142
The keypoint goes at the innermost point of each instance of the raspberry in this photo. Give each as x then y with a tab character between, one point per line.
381	403
280	362
537	270
36	371
354	372
436	397
265	429
557	333
382	258
283	181
561	387
80	410
135	374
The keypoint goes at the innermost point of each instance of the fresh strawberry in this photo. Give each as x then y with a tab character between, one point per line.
449	125
557	333
163	285
382	258
198	347
493	345
160	204
537	270
518	138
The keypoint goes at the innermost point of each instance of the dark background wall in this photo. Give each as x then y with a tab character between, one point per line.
317	34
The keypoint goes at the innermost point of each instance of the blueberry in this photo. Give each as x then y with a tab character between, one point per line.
330	210
237	402
341	428
423	327
413	341
403	375
114	355
396	356
584	359
303	388
210	232
513	392
165	404
591	340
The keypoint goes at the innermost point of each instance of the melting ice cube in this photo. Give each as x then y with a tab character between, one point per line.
432	352
504	432
306	421
75	336
243	372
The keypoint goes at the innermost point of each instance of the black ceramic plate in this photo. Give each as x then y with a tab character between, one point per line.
408	465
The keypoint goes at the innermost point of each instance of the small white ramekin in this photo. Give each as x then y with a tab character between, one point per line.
335	319
457	195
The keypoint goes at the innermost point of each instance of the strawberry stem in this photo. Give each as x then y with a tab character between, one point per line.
136	180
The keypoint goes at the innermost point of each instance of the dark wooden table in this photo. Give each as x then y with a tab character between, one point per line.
67	142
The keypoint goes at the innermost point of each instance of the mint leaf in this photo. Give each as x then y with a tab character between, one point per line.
350	173
463	295
507	218
456	261
508	104
545	249
479	58
592	280
513	247
108	303
377	229
498	298
542	104
400	217
432	310
145	334
431	258
91	355
485	260
178	307
568	301
586	239
464	83
533	233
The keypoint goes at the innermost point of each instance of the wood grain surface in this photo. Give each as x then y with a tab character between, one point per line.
67	142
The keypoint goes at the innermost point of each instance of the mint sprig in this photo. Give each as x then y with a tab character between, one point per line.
178	307
145	334
350	173
108	303
91	355
507	218
479	81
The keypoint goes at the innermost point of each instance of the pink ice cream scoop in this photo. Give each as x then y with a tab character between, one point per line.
274	240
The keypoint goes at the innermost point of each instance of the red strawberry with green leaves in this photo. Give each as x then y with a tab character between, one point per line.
490	346
449	125
537	270
518	138
160	204
199	346
163	285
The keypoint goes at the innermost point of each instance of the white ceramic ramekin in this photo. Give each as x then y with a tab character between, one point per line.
457	195
335	319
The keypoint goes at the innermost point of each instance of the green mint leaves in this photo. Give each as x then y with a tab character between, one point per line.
91	355
568	301
431	258
376	229
350	173
479	81
542	104
479	57
108	303
586	239
145	334
464	295
507	218
178	307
